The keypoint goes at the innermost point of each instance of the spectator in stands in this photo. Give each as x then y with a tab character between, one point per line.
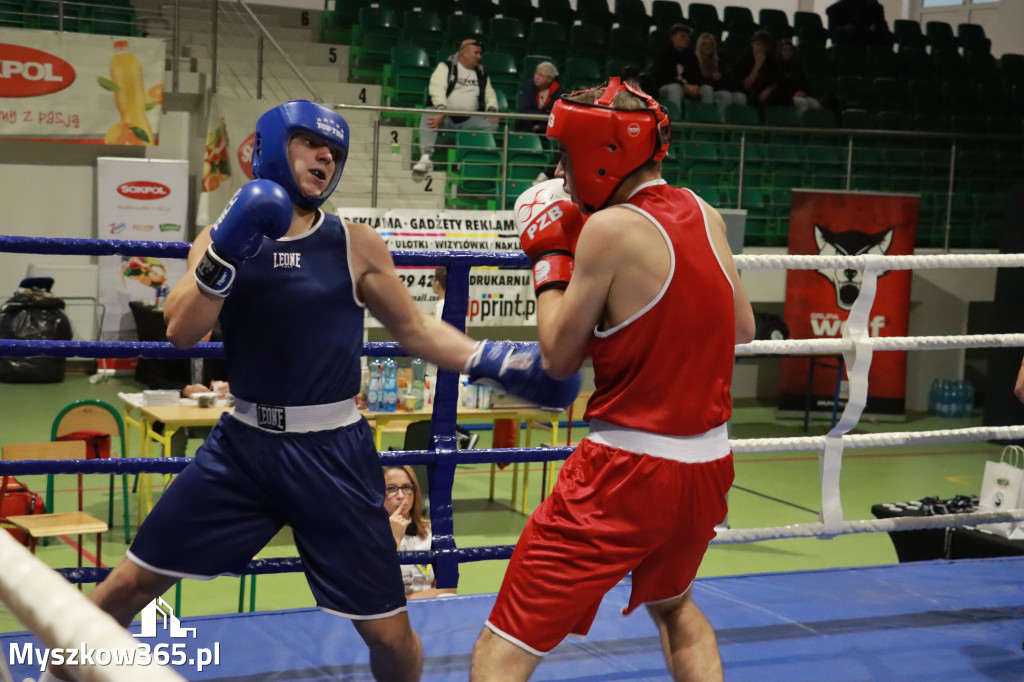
537	96
758	71
793	82
458	83
676	72
718	87
411	531
858	21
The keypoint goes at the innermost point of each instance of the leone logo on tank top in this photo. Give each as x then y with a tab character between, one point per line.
270	417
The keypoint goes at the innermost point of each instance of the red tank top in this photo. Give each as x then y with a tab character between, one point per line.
668	369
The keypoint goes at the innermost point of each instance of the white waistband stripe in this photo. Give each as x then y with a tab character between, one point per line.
706	447
298	419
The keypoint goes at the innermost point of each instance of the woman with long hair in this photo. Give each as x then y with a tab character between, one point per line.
410	529
718	87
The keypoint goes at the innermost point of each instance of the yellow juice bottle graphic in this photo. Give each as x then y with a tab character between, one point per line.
130	97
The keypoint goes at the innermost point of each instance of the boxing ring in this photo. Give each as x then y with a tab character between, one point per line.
934	620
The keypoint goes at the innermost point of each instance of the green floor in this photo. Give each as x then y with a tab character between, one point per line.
770	490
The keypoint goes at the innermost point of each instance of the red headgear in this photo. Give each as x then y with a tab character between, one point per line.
606	144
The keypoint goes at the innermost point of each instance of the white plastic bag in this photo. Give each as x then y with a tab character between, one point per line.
1002	488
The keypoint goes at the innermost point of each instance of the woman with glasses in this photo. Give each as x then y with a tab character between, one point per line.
411	531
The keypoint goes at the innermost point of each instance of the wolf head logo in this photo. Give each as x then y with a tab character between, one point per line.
849	243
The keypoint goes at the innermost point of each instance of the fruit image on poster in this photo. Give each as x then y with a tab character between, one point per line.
216	167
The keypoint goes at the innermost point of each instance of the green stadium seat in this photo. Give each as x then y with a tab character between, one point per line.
501	67
703	18
808	26
858	120
914	63
588	40
850	59
776	22
462	26
547	37
523	10
889	94
506	34
818	118
594	12
854	92
558	11
882	61
475	169
737	18
407	76
939	35
422	28
336	25
966	32
581	72
665	13
925	95
485	9
628	42
907	33
633	13
948	64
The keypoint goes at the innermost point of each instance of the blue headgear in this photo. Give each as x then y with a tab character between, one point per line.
275	129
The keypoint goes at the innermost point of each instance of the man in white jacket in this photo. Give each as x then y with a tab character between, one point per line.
458	84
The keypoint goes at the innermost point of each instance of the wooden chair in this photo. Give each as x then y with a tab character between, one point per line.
53	524
101	417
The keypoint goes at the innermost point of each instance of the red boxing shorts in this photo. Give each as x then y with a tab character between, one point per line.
612	512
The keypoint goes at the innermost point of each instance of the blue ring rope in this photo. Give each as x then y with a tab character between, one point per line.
441	460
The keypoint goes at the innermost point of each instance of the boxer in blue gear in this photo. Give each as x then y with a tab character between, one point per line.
294	449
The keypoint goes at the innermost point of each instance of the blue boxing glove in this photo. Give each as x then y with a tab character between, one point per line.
260	209
518	371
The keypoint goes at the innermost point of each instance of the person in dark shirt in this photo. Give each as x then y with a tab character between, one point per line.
676	73
537	96
757	71
793	82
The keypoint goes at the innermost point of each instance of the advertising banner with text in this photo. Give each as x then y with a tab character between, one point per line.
496	297
78	87
818	302
139	200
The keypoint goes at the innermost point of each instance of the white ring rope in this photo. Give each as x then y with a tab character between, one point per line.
929	262
882	343
734	536
62	618
875	440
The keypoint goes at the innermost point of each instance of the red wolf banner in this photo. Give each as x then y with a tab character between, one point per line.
818	302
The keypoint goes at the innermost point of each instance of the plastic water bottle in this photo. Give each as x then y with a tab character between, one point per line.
390	402
946	399
933	398
374	390
419	373
968	398
957	398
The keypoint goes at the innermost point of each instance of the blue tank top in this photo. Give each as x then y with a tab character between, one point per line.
292	326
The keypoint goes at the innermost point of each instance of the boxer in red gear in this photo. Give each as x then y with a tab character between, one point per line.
654	298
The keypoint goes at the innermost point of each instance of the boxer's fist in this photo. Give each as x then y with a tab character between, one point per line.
260	209
518	371
549	226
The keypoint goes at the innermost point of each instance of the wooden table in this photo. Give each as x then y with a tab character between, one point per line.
173	417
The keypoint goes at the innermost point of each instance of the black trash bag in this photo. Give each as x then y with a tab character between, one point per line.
33	315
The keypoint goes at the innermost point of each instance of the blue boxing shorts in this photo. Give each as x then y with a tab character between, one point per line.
246	483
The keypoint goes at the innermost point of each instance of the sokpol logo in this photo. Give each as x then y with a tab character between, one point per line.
27	72
143	189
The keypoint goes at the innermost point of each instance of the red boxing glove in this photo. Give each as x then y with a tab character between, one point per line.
549	226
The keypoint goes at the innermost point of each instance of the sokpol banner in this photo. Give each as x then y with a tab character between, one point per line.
78	87
496	297
818	302
138	200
